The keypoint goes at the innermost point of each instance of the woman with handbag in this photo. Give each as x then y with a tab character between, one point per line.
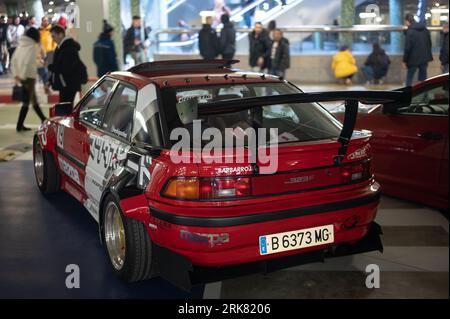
24	64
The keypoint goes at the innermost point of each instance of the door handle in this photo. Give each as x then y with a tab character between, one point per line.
430	136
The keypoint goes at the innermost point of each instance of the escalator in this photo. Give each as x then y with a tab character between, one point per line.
288	13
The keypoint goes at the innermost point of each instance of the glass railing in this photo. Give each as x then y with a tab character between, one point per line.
303	39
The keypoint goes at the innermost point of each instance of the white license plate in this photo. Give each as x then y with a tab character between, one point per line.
303	238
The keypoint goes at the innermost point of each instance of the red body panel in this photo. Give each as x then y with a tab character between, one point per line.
405	164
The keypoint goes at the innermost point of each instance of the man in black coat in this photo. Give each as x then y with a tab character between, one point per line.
417	52
443	57
133	42
3	45
208	42
68	72
280	59
227	38
260	46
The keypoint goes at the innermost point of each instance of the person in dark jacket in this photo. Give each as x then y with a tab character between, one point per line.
4	54
133	42
260	46
443	56
68	72
208	42
280	59
376	66
104	51
227	39
417	53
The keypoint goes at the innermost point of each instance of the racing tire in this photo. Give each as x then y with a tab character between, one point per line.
45	170
127	244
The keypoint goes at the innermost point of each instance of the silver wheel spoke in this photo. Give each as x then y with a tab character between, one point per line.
39	165
115	235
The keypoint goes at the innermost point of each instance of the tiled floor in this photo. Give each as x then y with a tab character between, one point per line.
414	264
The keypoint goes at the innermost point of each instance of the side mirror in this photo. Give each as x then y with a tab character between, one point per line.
393	107
61	109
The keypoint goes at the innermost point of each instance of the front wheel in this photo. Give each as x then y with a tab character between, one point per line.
127	243
45	170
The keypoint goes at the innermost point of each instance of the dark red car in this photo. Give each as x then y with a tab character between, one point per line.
410	144
193	216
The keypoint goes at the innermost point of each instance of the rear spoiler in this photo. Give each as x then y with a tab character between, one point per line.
391	99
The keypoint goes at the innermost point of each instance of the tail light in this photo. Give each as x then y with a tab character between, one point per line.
353	173
208	188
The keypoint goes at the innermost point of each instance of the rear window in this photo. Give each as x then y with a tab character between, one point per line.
297	122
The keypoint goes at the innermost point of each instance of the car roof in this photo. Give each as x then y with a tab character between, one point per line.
177	73
432	80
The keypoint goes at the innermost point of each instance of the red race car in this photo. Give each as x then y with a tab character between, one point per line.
410	144
189	215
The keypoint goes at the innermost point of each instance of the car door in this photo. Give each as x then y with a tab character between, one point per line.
73	132
109	145
411	147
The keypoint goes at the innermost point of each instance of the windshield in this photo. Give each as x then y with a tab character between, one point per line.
297	122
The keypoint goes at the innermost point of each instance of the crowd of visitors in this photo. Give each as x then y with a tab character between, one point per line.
46	53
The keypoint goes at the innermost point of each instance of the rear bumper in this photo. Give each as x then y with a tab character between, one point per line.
221	241
195	245
182	273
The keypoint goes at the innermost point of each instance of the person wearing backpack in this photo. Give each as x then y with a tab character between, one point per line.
68	71
104	51
376	66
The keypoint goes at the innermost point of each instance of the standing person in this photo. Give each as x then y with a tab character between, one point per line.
280	59
24	69
271	28
417	51
4	55
68	71
208	42
219	9
248	15
105	56
48	47
376	66
227	38
344	65
14	32
443	56
133	41
32	22
260	46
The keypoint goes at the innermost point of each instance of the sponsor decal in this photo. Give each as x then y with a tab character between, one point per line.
106	153
359	153
69	170
142	170
237	170
60	136
205	239
42	135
